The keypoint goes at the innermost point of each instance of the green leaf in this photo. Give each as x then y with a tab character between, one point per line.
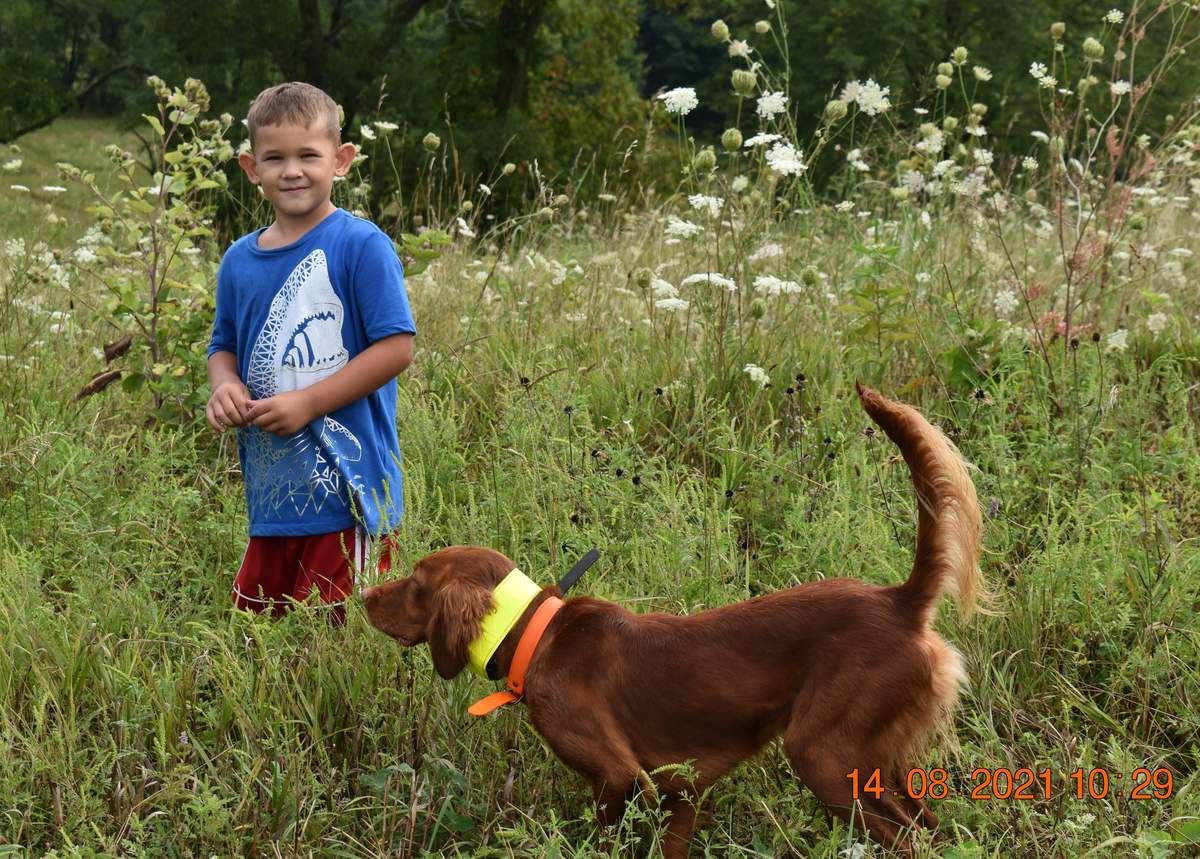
133	382
154	123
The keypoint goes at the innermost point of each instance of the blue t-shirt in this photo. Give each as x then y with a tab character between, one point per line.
293	316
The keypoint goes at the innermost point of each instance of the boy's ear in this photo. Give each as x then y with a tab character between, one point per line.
343	158
249	166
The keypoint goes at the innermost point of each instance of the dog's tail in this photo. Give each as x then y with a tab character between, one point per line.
949	523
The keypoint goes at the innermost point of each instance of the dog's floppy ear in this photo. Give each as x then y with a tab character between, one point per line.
457	616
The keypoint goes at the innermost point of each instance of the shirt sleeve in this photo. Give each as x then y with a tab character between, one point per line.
224	332
379	290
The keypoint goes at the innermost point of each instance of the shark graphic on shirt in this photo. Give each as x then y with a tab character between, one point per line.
299	345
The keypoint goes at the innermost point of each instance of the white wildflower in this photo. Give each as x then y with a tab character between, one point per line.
982	74
607	198
1114	16
702	202
22	188
872	98
1180	252
385	127
463	229
984	157
54	189
944	168
773	286
738	48
767	251
854	156
663	289
12	166
674	305
932	144
485	190
757	374
770	104
1039	71
1005	302
1120	88
912	180
711	277
740	184
972	186
85	256
786	159
365	132
680	100
850	92
1029	164
1157	323
1117	341
1041	136
845	206
677	228
760	139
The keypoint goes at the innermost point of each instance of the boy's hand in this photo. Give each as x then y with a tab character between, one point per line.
228	406
282	414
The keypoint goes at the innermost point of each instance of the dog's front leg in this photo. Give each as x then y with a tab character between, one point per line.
611	797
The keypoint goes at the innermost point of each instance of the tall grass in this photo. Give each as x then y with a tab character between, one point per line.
712	451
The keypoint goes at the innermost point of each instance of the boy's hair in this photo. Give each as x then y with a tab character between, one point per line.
295	102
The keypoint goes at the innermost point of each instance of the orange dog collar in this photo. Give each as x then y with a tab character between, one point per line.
526	647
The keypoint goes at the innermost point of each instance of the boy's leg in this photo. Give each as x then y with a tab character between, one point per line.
267	575
331	563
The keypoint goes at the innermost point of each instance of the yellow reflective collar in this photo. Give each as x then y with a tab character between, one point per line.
511	597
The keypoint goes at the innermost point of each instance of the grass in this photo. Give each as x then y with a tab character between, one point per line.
546	413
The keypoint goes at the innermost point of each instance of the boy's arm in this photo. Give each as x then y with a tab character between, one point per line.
380	362
229	404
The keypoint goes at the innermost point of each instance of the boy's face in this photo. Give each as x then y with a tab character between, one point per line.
295	164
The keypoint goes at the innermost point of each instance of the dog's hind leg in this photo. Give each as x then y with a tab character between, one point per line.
826	775
678	836
916	809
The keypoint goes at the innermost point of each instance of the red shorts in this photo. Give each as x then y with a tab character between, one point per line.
278	570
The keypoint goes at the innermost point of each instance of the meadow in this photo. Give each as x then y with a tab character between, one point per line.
667	376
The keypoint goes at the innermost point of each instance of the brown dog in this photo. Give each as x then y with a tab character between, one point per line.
850	673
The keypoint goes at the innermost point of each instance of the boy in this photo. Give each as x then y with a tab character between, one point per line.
312	327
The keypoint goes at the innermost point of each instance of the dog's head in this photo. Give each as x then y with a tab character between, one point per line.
443	602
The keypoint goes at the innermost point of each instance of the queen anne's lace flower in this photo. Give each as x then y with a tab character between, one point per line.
710	277
773	286
1005	302
786	159
758	374
1120	88
678	228
703	203
760	139
674	305
680	100
738	48
1117	341
771	249
1157	323
771	104
872	98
